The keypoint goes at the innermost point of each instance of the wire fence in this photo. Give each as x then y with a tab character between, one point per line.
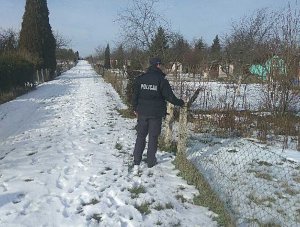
249	157
258	184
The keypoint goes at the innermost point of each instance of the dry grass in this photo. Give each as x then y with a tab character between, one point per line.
230	123
207	196
265	176
10	95
126	113
259	200
144	208
136	190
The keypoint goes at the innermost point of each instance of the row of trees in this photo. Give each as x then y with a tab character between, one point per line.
266	39
34	48
146	34
254	39
170	50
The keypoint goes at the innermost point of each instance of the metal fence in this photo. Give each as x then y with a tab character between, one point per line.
249	159
258	184
253	167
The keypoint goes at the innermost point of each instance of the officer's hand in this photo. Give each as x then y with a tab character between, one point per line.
135	113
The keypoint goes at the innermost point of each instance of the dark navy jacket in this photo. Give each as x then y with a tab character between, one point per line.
151	91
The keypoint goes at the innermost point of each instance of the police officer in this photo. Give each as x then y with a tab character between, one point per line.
151	91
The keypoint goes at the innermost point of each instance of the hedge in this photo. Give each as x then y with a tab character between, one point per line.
15	71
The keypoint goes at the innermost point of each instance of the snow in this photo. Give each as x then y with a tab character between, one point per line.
259	182
220	95
60	164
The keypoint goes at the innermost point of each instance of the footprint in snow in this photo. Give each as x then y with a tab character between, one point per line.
92	178
32	153
69	171
61	182
73	188
18	198
4	187
34	161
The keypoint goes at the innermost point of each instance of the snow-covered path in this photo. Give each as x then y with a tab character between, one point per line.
64	154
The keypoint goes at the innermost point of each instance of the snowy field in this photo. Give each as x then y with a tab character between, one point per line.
64	154
219	95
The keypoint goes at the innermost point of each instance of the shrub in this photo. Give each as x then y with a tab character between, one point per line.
15	71
130	86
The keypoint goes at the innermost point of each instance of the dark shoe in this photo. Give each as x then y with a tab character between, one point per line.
151	165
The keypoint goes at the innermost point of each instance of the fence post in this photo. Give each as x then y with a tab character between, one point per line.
47	75
169	125
182	137
298	132
43	78
37	77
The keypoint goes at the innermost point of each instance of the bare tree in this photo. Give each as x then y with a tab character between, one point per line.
281	94
269	40
61	42
8	40
100	51
140	22
248	42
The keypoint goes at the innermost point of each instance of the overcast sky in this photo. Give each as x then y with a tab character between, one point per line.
90	23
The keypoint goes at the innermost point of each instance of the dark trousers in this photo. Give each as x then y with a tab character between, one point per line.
147	126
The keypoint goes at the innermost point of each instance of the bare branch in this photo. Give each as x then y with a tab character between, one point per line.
61	42
139	23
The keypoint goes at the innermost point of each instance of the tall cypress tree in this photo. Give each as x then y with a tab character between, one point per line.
107	57
36	37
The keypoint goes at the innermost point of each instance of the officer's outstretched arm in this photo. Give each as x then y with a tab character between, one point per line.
168	94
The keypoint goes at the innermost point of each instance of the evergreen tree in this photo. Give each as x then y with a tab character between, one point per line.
159	44
180	48
119	55
200	52
216	49
36	37
107	58
200	45
136	57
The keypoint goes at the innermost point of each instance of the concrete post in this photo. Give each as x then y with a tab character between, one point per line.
182	138
43	79
37	77
298	145
169	125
